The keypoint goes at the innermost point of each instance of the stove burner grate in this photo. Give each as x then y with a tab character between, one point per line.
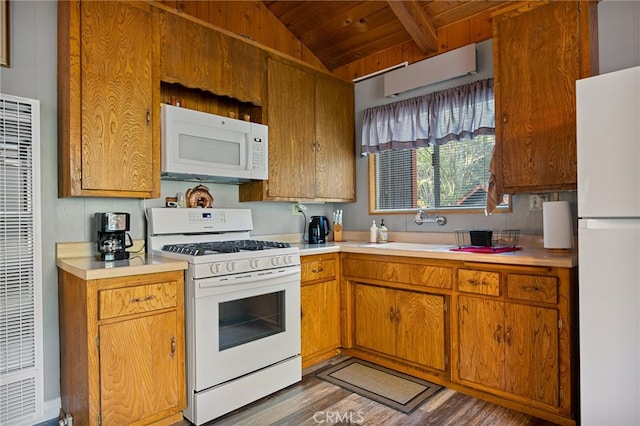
220	247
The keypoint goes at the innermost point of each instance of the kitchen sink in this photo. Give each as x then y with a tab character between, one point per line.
408	246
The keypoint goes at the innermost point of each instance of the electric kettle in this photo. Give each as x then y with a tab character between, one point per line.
318	229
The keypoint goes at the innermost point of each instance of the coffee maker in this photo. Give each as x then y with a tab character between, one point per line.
113	238
318	229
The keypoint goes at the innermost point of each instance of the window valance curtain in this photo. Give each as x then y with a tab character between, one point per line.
458	113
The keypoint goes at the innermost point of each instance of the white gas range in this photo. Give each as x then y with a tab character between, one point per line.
242	307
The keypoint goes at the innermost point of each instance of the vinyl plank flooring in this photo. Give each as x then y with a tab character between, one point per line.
313	401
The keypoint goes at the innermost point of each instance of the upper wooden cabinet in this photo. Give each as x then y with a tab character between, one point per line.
540	50
311	136
200	57
107	90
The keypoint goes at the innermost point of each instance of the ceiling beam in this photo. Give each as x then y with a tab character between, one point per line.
416	21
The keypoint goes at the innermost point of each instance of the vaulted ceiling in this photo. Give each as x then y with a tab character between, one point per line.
341	32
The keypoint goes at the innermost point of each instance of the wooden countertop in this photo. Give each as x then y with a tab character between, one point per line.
531	256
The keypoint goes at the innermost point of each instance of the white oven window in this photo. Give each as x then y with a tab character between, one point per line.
249	319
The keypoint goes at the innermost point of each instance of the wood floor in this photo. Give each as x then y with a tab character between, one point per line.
316	402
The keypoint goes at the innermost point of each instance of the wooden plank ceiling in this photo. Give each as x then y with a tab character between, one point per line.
339	33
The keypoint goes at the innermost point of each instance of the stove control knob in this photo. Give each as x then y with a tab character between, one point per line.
276	260
215	268
231	266
254	263
288	259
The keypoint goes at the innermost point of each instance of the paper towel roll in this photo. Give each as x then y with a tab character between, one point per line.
557	225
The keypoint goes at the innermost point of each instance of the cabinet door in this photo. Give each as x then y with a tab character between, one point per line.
375	321
481	341
291	131
320	323
537	58
420	331
200	57
117	149
531	346
139	375
335	143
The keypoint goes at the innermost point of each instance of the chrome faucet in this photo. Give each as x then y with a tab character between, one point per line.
422	217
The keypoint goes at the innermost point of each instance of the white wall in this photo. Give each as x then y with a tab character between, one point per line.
33	74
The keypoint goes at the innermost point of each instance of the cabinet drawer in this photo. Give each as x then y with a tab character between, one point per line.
423	275
532	287
318	269
481	282
134	300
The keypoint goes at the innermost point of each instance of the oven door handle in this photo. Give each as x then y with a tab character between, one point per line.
255	277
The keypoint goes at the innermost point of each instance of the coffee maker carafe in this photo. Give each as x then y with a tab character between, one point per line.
318	229
113	238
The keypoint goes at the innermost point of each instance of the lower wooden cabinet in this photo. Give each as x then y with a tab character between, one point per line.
510	336
122	348
510	347
320	308
514	336
404	324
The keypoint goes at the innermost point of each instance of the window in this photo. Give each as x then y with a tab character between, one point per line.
452	176
432	152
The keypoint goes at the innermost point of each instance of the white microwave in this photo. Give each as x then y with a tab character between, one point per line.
211	148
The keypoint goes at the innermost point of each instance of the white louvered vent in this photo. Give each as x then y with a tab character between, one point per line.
21	360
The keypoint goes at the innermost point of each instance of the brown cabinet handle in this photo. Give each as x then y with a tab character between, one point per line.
498	333
319	147
142	299
504	118
507	336
398	315
320	269
173	346
391	314
531	288
477	282
148	117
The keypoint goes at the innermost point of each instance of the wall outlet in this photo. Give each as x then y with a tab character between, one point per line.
294	209
536	201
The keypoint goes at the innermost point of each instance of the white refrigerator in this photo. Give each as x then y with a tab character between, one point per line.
608	133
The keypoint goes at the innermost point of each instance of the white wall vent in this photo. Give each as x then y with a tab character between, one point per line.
458	62
21	340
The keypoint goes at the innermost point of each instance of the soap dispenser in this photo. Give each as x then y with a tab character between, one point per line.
383	233
373	232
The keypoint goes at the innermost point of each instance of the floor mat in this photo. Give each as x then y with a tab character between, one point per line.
391	388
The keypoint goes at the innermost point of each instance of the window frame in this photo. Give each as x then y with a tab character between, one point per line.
372	194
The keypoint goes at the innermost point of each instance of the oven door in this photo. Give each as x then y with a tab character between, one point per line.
245	323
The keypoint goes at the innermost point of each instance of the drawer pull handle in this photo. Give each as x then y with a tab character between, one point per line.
173	346
477	282
507	336
319	269
498	334
531	288
398	315
142	299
